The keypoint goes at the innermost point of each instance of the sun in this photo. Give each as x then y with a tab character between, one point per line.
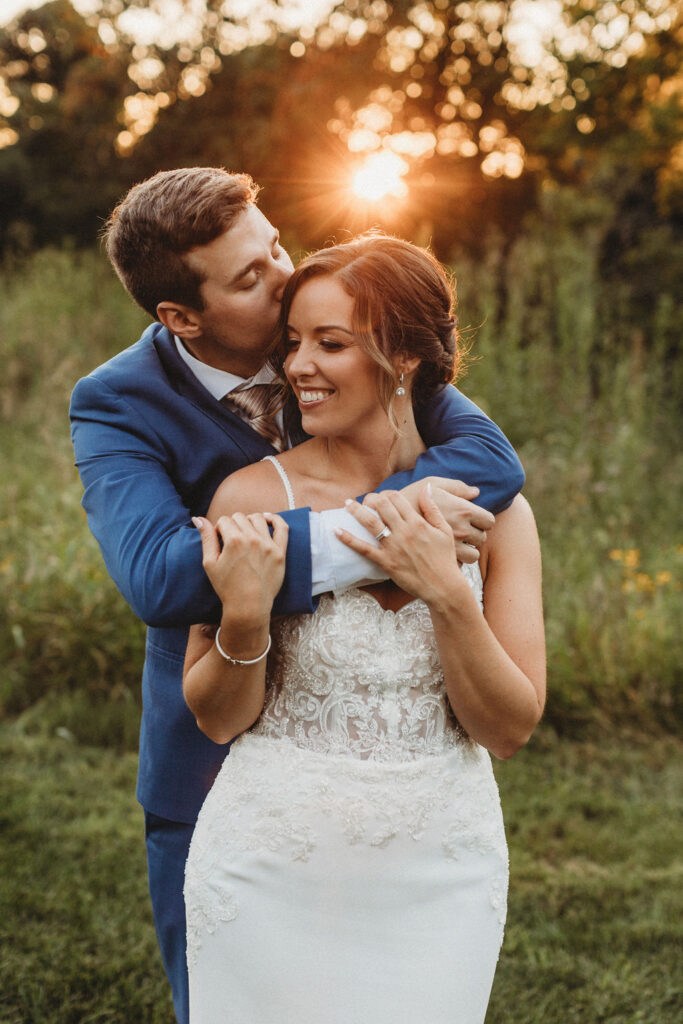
381	175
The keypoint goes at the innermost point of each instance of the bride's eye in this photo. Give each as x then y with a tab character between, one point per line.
329	345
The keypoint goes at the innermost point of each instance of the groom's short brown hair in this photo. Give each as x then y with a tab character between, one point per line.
159	220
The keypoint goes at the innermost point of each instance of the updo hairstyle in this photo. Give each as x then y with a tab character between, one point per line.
403	308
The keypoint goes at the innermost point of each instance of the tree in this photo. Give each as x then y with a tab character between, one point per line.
61	92
472	117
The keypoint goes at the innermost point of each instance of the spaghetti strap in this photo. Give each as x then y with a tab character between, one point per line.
283	476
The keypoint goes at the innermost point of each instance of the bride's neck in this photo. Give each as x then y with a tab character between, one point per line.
372	453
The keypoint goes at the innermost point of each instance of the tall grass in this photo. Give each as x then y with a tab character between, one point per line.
70	649
590	402
556	360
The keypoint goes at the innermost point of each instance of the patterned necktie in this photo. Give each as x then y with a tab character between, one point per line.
259	403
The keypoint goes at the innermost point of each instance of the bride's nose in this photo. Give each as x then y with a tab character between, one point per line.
300	363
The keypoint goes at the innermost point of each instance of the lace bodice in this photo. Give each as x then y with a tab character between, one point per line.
356	680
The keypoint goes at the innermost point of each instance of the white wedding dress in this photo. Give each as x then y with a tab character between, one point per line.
349	865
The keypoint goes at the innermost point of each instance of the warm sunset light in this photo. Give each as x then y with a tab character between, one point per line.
381	175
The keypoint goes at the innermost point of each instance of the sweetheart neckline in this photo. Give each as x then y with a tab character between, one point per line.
368	597
409	604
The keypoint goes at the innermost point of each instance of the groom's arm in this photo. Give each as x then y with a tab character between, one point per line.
150	548
464	444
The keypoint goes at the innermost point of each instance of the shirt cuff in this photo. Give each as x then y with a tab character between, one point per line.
334	566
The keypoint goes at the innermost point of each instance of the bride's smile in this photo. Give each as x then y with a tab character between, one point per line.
308	397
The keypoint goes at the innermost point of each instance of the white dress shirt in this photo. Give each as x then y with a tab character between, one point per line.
334	566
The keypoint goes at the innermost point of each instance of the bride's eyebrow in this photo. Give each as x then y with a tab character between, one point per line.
332	327
322	329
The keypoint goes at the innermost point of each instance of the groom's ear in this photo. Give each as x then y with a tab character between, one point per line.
180	320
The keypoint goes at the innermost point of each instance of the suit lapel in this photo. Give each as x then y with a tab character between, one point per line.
185	384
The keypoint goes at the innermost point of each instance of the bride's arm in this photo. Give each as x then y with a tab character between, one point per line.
246	566
494	664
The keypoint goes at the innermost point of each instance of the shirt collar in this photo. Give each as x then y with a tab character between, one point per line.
220	383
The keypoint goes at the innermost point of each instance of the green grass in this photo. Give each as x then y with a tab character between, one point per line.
595	913
77	934
594	923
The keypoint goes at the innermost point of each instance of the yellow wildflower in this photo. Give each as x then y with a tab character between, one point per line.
616	555
663	577
644	582
632	558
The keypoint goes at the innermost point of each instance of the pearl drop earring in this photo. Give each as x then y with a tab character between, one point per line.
400	390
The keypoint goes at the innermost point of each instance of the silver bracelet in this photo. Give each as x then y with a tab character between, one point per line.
238	661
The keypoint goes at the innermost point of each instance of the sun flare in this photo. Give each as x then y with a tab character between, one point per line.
381	175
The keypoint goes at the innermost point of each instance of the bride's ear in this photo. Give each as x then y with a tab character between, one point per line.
407	365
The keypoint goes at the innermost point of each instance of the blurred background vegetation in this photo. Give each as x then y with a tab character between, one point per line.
537	147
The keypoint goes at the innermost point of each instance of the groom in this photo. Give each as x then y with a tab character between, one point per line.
158	427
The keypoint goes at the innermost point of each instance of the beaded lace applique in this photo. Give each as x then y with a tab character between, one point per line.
355	679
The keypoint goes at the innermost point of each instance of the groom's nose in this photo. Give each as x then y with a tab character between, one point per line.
282	272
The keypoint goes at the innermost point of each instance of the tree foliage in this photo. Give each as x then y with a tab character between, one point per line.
484	115
62	94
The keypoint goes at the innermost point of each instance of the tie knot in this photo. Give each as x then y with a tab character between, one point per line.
260	404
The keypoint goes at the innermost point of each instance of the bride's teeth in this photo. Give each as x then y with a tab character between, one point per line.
312	396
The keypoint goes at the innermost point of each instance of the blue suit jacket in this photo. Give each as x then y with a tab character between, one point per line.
152	445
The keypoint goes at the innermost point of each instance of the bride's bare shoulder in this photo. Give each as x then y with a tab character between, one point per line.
255	488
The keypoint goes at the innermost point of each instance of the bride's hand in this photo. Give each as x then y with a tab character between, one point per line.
419	552
245	564
456	501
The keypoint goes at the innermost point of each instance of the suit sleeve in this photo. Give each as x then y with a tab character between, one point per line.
464	444
150	548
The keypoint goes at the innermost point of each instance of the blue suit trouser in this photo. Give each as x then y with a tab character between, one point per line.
168	843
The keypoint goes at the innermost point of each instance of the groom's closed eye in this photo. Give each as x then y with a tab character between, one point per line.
253	274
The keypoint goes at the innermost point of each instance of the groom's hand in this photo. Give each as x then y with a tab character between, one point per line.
455	500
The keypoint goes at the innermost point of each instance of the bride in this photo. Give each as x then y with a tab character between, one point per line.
349	863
